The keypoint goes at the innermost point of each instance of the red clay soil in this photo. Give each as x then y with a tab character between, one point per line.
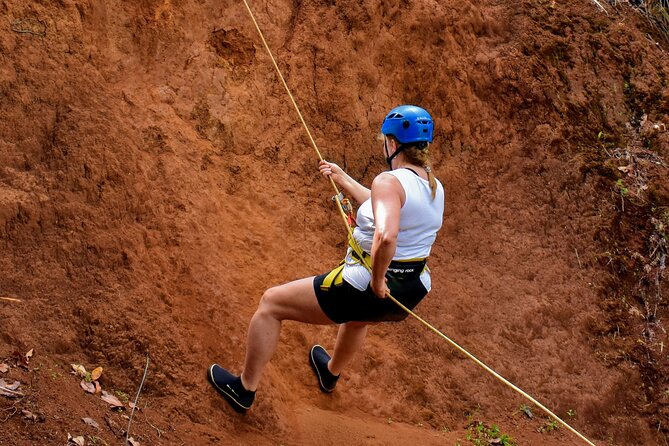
154	180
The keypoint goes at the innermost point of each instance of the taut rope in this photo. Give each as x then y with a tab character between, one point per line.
364	262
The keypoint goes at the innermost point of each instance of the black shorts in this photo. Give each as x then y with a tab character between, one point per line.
345	303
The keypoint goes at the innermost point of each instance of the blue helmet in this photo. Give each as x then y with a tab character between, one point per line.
408	124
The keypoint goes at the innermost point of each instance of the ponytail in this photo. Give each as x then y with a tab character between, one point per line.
421	157
432	180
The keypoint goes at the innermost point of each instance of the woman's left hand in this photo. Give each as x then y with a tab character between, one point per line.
380	287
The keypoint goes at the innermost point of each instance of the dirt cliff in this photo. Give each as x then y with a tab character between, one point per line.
154	180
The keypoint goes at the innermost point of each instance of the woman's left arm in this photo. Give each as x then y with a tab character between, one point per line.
387	200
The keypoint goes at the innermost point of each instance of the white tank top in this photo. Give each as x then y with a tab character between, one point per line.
420	219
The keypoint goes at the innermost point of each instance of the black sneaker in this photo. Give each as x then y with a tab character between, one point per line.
319	358
230	386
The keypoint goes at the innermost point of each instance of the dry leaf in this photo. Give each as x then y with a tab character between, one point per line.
111	400
9	394
9	390
4	368
29	415
8	386
133	442
95	374
91	422
79	441
98	389
79	370
20	358
88	387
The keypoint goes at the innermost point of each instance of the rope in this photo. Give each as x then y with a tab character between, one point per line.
299	113
356	247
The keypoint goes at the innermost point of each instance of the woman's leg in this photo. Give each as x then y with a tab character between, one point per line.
294	301
350	337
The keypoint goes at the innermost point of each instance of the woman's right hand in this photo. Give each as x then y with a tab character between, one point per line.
331	169
351	187
380	287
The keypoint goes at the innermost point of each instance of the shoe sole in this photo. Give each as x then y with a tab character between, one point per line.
315	368
236	405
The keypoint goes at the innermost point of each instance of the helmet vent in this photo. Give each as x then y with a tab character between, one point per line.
405	124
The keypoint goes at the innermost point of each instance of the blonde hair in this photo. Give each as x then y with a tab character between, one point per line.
421	157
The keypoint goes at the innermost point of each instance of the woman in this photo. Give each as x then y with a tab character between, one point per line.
398	220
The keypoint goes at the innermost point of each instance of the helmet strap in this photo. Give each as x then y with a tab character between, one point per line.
389	158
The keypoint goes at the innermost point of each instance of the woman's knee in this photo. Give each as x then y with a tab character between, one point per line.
271	302
292	301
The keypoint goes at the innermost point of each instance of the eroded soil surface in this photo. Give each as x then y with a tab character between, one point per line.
154	180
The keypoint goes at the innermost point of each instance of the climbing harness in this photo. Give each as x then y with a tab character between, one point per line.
403	268
364	258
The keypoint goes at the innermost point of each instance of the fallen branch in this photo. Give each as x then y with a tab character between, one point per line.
134	405
160	433
13	392
14	408
596	2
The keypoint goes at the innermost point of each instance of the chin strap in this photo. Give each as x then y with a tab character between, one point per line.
389	158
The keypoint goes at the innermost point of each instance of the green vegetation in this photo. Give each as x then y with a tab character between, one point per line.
481	435
97	440
550	426
122	396
622	188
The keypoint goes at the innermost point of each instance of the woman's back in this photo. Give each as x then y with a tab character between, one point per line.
420	217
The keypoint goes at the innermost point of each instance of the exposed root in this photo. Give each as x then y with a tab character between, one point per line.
29	26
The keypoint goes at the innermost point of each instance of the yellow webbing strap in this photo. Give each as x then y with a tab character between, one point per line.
355	246
334	277
364	258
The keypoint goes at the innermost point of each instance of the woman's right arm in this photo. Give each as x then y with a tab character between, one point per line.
351	187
